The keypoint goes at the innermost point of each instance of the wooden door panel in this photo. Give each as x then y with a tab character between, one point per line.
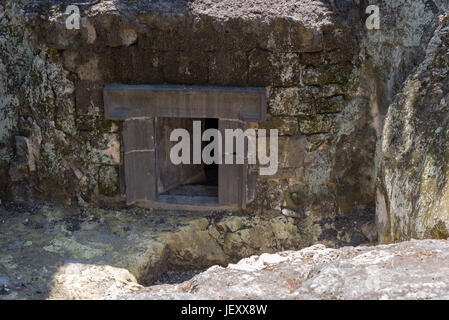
231	177
139	160
170	175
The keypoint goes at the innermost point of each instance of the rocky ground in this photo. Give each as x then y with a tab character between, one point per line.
50	252
70	252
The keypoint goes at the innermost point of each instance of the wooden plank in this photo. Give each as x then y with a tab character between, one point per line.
251	184
122	177
138	134
215	207
243	187
130	101
140	178
229	184
139	167
232	177
194	200
194	190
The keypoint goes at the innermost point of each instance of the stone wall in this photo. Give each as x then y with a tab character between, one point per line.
326	77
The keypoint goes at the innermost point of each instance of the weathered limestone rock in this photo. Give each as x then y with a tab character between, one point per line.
413	193
399	46
286	126
409	270
24	152
387	57
84	253
77	281
43	248
317	124
5	285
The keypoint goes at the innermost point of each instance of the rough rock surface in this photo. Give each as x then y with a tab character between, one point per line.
45	251
71	253
409	270
413	193
329	83
58	147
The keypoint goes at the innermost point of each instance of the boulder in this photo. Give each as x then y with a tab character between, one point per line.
409	270
413	166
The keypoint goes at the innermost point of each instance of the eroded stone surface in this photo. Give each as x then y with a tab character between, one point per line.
71	253
412	200
409	270
43	249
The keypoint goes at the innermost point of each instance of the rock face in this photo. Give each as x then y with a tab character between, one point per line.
58	147
329	83
413	193
409	270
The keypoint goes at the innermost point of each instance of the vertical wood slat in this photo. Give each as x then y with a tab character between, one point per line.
122	176
232	178
138	134
140	160
140	178
251	183
170	175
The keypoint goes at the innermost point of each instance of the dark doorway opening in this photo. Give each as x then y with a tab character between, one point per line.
184	183
211	170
